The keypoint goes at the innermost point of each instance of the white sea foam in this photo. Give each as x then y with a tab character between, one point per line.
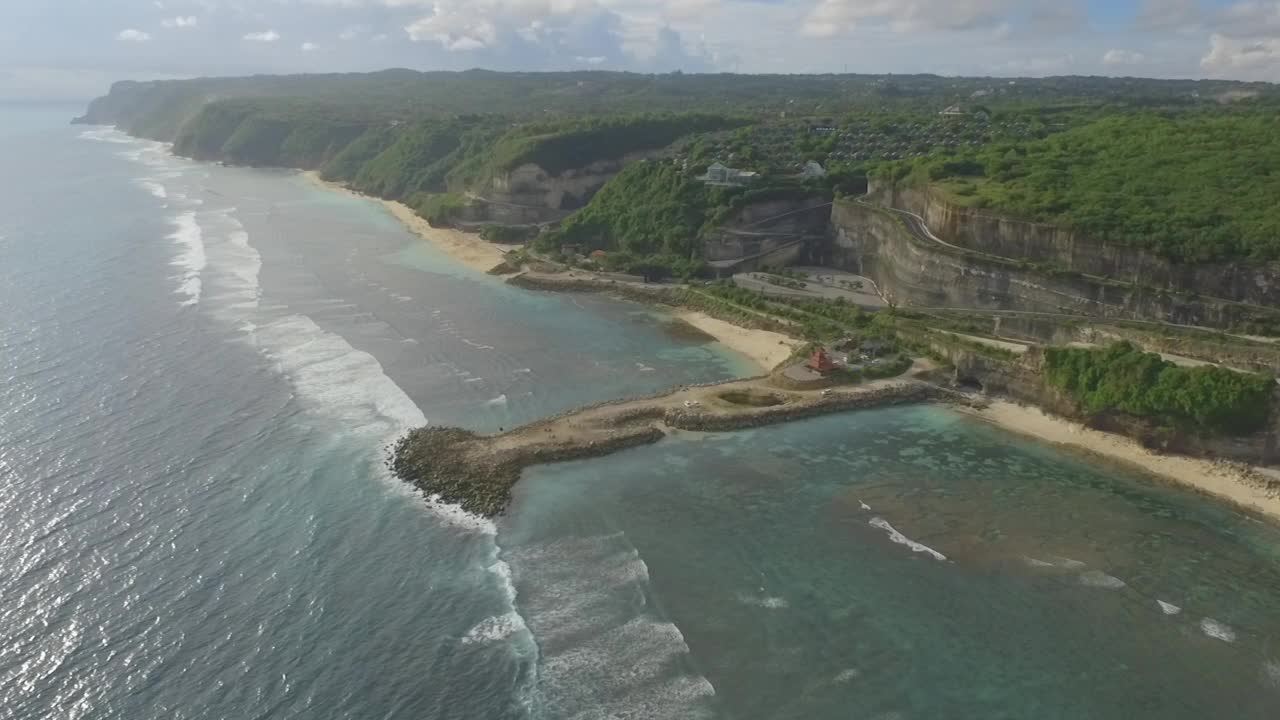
603	651
500	401
1271	673
901	539
1099	579
154	187
1168	608
765	601
477	345
107	134
1217	630
846	676
495	628
336	379
191	259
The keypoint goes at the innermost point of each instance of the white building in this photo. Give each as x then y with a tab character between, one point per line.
720	174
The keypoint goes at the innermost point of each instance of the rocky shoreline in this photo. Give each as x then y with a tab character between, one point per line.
478	472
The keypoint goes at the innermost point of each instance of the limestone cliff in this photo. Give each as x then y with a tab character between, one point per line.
913	270
528	194
987	232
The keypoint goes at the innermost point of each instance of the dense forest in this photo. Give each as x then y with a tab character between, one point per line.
1182	168
1208	400
157	109
1191	187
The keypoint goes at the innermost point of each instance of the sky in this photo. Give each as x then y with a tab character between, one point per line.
74	49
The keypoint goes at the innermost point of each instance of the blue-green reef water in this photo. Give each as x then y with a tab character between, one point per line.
202	367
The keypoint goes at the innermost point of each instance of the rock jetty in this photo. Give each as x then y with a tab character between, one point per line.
477	472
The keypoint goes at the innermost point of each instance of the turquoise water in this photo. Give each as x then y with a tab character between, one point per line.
902	563
202	366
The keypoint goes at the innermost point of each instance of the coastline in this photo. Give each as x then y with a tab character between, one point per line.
767	349
764	348
1241	485
466	248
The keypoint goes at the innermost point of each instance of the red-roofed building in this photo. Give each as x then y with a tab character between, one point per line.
821	362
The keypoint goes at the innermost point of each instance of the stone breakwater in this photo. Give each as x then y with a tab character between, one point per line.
477	472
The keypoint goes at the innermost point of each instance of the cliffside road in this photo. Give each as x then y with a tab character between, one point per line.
780	216
917	227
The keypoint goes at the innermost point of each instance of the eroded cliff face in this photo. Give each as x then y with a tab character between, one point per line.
530	194
911	271
1041	243
772	228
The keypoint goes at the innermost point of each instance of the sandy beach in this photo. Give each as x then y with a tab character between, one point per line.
466	248
767	349
1234	482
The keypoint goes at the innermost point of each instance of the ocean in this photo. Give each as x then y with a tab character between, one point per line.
204	365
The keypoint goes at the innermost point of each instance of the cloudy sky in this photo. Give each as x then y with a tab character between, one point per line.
73	49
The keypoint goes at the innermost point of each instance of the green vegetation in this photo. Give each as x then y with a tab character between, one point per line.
655	214
556	147
810	319
649	209
413	162
1192	187
285	134
1207	400
347	163
1181	168
439	209
507	234
158	109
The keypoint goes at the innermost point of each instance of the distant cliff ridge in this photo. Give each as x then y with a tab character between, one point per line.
492	169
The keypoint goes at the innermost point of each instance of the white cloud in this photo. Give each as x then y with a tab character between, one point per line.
188	21
465	43
266	36
833	17
563	29
132	35
593	60
1248	58
1115	57
309	47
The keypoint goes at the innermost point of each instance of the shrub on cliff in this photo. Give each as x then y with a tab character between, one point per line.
1208	400
1192	187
